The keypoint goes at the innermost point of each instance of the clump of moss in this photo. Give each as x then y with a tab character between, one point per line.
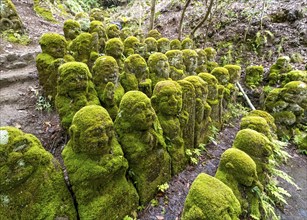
74	91
43	9
113	31
9	18
158	67
152	46
190	61
141	138
208	199
115	48
84	20
201	61
234	73
71	29
98	14
98	27
187	43
97	168
294	75
175	44
269	118
167	102
280	67
175	59
131	45
155	34
210	54
256	123
163	45
254	76
32	184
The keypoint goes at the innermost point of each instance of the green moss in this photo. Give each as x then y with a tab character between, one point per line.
9	18
208	199
221	74
280	67
269	118
84	20
155	34
163	45
140	136
256	123
113	31
187	43
32	184
210	54
167	102
53	44
294	75
125	33
158	67
131	45
211	65
152	45
294	92
188	106
234	73
98	27
254	76
271	99
96	167
190	61
286	118
98	14
175	44
71	29
75	90
42	8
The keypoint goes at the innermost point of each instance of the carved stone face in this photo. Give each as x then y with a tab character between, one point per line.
175	59
105	70
162	68
168	97
143	114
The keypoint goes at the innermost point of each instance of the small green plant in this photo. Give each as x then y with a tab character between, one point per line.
128	218
163	187
154	202
43	104
16	37
140	208
234	111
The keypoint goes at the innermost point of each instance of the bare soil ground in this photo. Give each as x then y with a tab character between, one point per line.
18	104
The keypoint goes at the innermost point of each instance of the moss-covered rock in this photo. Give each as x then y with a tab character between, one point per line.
136	75
238	171
158	67
115	48
201	61
257	146
152	46
190	61
106	81
32	184
97	168
155	34
175	59
131	44
256	123
9	18
98	27
210	65
113	31
141	137
221	74
280	67
234	73
167	102
208	199
175	44
187	43
75	90
253	76
98	14
163	45
84	20
202	109
44	9
294	75
71	29
210	54
269	118
188	105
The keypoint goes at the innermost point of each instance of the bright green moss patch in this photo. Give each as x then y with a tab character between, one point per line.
234	72
208	199
155	34
163	45
254	76
31	181
256	123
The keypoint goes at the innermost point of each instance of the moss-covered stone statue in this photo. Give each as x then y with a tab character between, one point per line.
256	123
234	76
152	46
155	34
9	18
238	171
84	49
32	183
53	47
113	31
213	98
140	135
201	61
163	45
106	81
175	44
75	90
98	27
208	199
188	106
167	102
84	19
159	68
253	76
210	57
71	29
187	43
115	48
97	168
98	14
222	75
131	45
280	67
268	117
258	147
294	75
136	75
190	61
175	59
202	109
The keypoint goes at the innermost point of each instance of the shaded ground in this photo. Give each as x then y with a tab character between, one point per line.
20	110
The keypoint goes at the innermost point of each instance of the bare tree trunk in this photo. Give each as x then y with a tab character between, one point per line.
204	19
181	19
152	14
